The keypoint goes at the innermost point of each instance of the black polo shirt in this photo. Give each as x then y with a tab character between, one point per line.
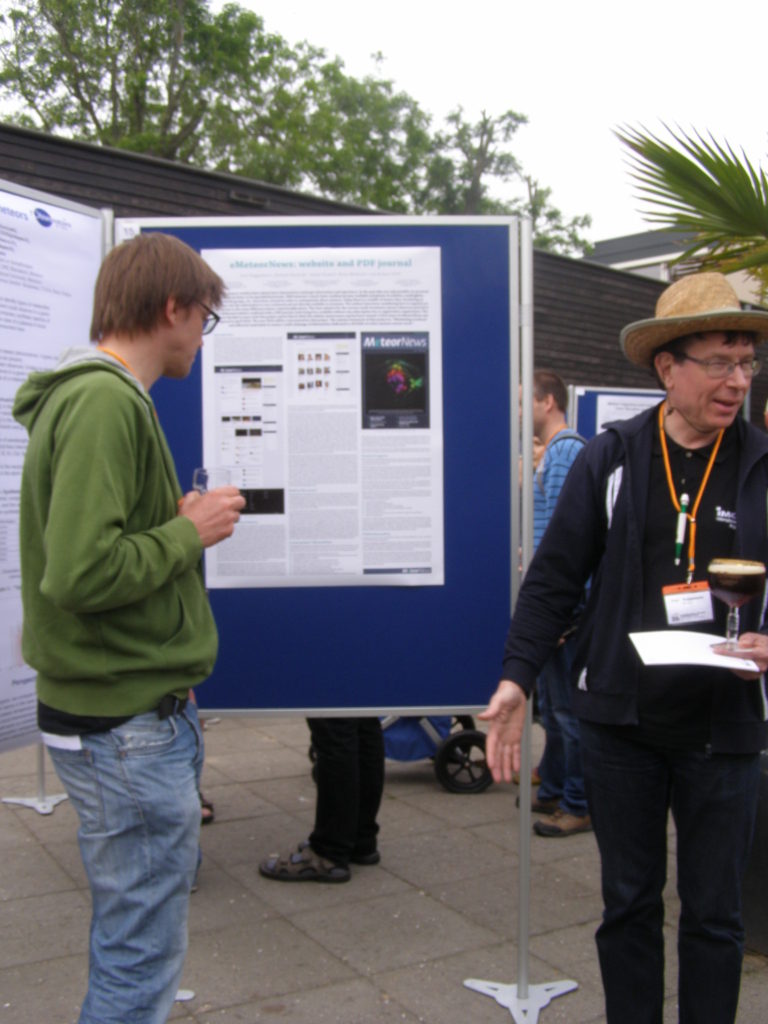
674	702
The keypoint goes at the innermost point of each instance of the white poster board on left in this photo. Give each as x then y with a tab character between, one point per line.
50	253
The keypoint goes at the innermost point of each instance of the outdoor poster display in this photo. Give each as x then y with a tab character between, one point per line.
50	253
357	389
371	570
322	402
592	407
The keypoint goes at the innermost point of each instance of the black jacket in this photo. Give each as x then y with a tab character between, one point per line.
597	531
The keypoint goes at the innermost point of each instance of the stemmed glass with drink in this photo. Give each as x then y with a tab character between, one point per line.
734	581
204	480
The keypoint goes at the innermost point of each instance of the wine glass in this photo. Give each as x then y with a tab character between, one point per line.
209	479
200	480
734	581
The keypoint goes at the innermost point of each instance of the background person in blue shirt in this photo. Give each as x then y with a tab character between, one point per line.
561	794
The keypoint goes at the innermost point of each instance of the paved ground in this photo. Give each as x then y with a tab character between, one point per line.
394	944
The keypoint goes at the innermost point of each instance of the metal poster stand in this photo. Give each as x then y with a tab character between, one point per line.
41	803
523	1001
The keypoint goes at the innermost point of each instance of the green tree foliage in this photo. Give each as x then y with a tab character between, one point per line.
551	231
465	155
163	77
369	142
468	155
171	79
695	184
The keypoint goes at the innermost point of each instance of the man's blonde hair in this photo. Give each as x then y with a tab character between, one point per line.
139	276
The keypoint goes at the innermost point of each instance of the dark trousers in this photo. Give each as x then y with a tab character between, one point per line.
350	781
560	766
713	799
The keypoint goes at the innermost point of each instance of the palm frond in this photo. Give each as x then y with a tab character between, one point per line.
700	186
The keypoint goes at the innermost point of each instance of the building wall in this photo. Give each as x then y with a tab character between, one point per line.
579	310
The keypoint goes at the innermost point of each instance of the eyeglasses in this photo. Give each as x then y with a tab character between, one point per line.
210	319
719	369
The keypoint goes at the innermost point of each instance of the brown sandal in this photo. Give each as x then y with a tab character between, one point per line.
302	865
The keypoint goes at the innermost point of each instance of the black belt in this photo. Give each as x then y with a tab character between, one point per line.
171	705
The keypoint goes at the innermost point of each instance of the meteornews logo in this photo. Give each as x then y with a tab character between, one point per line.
45	220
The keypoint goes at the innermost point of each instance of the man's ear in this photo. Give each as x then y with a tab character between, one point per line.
171	310
662	363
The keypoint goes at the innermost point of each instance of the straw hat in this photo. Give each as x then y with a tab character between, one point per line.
698	302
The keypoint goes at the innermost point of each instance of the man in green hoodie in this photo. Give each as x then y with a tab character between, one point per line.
116	619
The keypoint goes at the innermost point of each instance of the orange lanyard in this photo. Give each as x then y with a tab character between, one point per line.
690	516
120	359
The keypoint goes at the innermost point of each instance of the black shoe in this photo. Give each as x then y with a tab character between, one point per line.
366	858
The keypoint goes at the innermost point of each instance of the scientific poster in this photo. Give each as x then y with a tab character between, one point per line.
622	406
49	257
322	402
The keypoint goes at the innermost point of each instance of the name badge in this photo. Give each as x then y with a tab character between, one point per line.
688	602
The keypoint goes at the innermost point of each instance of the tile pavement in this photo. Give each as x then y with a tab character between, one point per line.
393	945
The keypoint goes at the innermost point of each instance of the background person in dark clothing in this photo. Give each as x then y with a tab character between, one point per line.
349	772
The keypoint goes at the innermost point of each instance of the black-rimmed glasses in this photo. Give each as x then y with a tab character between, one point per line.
210	319
719	369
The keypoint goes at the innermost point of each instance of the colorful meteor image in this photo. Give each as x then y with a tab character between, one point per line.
395	380
403	377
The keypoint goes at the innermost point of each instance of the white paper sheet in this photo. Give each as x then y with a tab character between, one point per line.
322	396
684	647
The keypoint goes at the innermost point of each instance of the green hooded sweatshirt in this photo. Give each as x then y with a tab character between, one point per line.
115	610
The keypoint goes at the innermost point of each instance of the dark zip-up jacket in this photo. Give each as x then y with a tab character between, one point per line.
597	531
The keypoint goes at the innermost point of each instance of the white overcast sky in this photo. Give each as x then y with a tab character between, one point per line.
576	68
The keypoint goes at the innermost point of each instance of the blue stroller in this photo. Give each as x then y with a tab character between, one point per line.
454	744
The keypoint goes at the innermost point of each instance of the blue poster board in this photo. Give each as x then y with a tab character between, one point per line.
376	649
591	408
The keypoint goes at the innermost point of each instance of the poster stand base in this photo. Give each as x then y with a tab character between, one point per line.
524	1010
41	803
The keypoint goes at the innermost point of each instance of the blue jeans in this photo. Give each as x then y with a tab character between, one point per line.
560	767
135	790
350	782
713	798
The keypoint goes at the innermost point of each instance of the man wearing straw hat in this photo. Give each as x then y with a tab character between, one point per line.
647	505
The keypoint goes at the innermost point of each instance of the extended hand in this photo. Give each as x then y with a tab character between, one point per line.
506	713
213	513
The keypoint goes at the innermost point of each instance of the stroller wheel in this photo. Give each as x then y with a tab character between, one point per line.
465	721
460	764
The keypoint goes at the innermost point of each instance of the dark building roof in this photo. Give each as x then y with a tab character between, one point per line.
643	246
135	185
